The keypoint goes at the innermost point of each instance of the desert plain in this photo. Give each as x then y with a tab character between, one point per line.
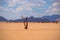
35	31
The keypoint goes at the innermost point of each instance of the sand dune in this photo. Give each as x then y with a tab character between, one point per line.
35	31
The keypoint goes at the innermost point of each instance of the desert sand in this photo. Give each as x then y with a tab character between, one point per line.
35	31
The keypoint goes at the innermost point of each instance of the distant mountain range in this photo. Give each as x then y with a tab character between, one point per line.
3	19
32	19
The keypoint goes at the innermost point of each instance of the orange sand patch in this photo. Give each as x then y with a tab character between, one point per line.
35	31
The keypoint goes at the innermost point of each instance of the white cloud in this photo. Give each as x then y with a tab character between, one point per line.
56	4
22	7
31	3
28	5
36	3
17	10
11	3
3	9
29	9
54	8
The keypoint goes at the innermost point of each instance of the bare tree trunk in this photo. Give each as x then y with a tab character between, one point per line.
26	23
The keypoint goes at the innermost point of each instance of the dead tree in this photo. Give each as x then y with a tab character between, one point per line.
25	22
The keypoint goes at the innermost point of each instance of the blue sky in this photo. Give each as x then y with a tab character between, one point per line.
14	9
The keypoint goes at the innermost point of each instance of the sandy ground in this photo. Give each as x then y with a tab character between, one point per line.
35	31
